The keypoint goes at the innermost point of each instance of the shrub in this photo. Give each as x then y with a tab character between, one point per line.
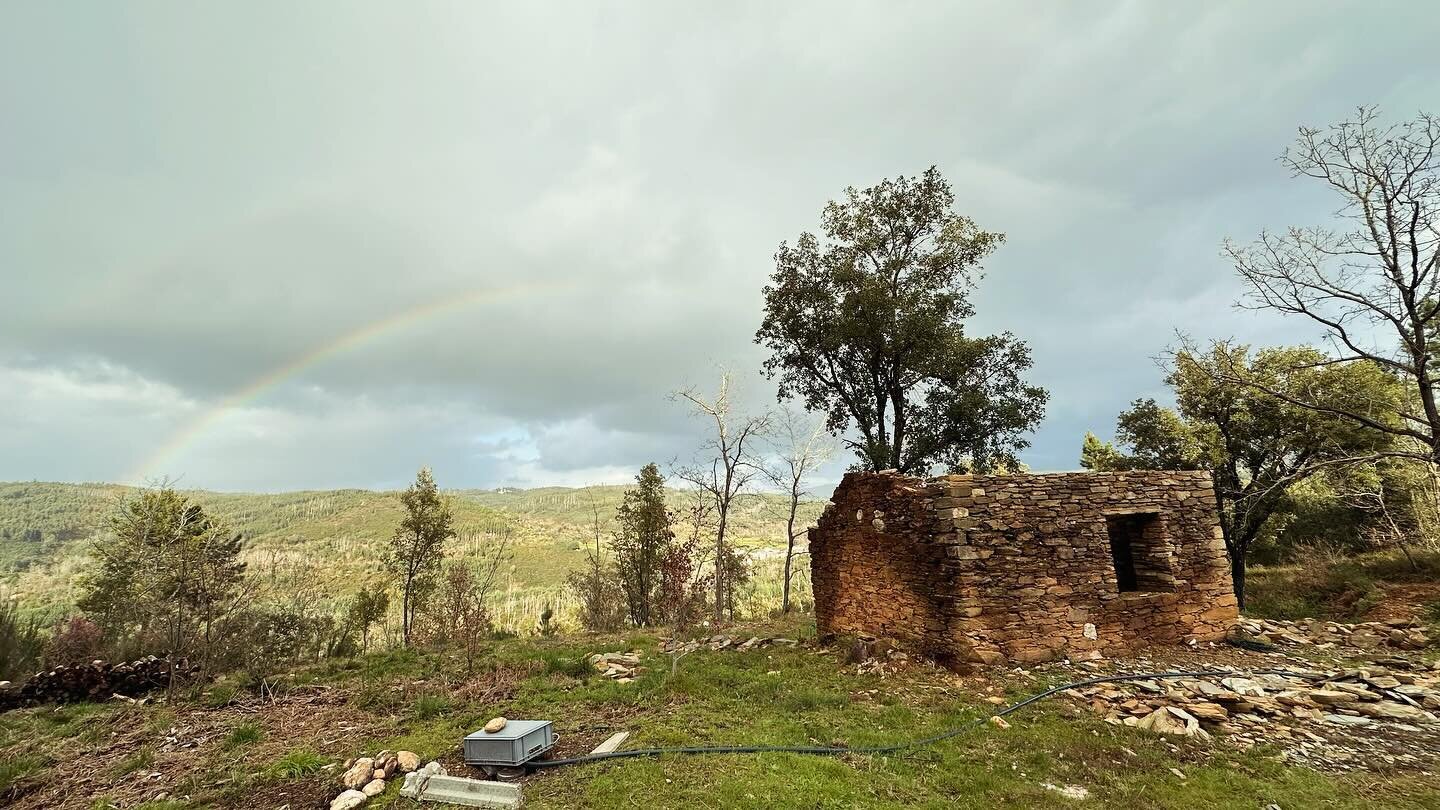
75	640
1340	591
546	627
20	642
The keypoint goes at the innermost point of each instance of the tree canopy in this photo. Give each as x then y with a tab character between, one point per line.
867	327
642	541
168	575
1372	277
418	545
1254	444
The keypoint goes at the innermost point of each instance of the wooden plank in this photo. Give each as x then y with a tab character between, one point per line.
612	743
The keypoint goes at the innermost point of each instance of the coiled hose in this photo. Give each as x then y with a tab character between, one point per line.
920	743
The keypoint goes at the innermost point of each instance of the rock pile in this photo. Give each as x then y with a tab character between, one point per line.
1312	717
723	642
97	680
617	666
1400	634
367	776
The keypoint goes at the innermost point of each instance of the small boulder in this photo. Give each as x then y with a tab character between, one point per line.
407	760
374	787
349	800
360	772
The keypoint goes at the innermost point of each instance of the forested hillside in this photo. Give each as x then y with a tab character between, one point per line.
335	537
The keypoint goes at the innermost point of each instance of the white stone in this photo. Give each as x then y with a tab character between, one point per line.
349	800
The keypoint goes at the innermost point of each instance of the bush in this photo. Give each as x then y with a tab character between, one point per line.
20	642
602	600
1340	591
76	640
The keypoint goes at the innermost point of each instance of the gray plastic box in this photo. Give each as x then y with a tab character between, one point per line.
519	742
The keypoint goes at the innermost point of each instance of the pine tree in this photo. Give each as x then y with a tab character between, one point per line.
644	538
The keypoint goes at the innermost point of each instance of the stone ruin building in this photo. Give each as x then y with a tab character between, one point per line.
1025	568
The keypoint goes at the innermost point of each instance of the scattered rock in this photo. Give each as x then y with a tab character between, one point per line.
407	760
617	665
348	800
1172	720
999	722
374	787
495	725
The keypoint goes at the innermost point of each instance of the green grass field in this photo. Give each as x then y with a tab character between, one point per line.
249	752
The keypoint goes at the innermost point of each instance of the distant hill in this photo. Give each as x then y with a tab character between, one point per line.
338	536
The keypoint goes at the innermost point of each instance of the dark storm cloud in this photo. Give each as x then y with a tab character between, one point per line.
194	199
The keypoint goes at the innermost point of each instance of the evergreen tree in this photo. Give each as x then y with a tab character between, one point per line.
168	575
418	545
644	538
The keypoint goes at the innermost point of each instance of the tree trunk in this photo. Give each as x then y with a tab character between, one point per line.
1237	575
789	557
720	565
405	610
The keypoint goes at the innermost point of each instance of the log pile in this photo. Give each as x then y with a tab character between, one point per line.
97	680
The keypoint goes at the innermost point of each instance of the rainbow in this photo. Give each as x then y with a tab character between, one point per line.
204	422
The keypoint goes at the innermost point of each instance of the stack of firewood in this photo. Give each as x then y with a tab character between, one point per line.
97	680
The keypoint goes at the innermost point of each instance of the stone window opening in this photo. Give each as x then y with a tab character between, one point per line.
1140	551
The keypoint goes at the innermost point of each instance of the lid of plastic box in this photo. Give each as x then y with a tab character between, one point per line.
513	730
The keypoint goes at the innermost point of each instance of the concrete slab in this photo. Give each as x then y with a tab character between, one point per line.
462	791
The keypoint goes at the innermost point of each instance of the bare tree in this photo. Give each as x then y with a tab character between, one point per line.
802	447
726	465
1373	280
602	600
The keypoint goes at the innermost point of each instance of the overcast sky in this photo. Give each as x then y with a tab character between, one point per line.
269	246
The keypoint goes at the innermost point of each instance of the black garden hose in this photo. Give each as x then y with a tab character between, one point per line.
924	741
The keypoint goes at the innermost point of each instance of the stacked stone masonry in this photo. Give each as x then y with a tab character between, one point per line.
1023	568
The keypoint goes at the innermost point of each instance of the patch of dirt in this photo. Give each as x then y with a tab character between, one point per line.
1403	601
186	756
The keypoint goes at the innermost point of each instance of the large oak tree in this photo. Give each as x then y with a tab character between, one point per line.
1256	445
867	327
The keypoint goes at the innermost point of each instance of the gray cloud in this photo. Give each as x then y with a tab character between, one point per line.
234	207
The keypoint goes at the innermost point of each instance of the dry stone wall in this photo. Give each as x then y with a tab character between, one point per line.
1025	568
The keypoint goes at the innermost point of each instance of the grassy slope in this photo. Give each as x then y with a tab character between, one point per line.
338	534
417	701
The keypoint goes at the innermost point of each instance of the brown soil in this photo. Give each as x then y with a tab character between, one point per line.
188	753
1404	600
